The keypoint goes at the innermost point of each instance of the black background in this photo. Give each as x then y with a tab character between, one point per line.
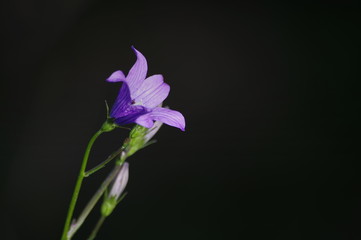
269	98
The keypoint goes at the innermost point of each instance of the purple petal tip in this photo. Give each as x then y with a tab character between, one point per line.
116	76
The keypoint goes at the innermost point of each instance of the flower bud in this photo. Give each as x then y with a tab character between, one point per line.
108	206
114	196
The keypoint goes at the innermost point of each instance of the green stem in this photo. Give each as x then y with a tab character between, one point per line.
78	185
93	201
121	160
101	165
97	227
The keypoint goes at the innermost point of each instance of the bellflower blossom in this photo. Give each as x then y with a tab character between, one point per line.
139	98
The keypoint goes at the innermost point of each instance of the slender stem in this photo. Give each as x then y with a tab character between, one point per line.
97	227
122	158
89	207
101	165
78	185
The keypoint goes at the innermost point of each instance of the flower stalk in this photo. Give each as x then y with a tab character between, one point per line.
78	185
97	227
102	165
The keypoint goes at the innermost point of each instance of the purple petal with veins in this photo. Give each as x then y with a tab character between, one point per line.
152	92
137	73
131	115
116	76
122	102
164	115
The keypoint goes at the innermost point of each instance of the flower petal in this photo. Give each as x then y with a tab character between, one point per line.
137	73
152	92
122	102
165	115
145	121
116	76
130	115
150	83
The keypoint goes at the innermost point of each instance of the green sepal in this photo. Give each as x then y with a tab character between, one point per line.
108	125
107	108
136	139
149	143
110	203
108	206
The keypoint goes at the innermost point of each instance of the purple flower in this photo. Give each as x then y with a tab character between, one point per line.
139	98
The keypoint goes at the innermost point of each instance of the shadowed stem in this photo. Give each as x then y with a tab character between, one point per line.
78	185
97	227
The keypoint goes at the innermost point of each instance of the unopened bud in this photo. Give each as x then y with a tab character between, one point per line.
119	184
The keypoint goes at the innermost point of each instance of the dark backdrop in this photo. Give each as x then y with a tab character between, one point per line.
267	90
